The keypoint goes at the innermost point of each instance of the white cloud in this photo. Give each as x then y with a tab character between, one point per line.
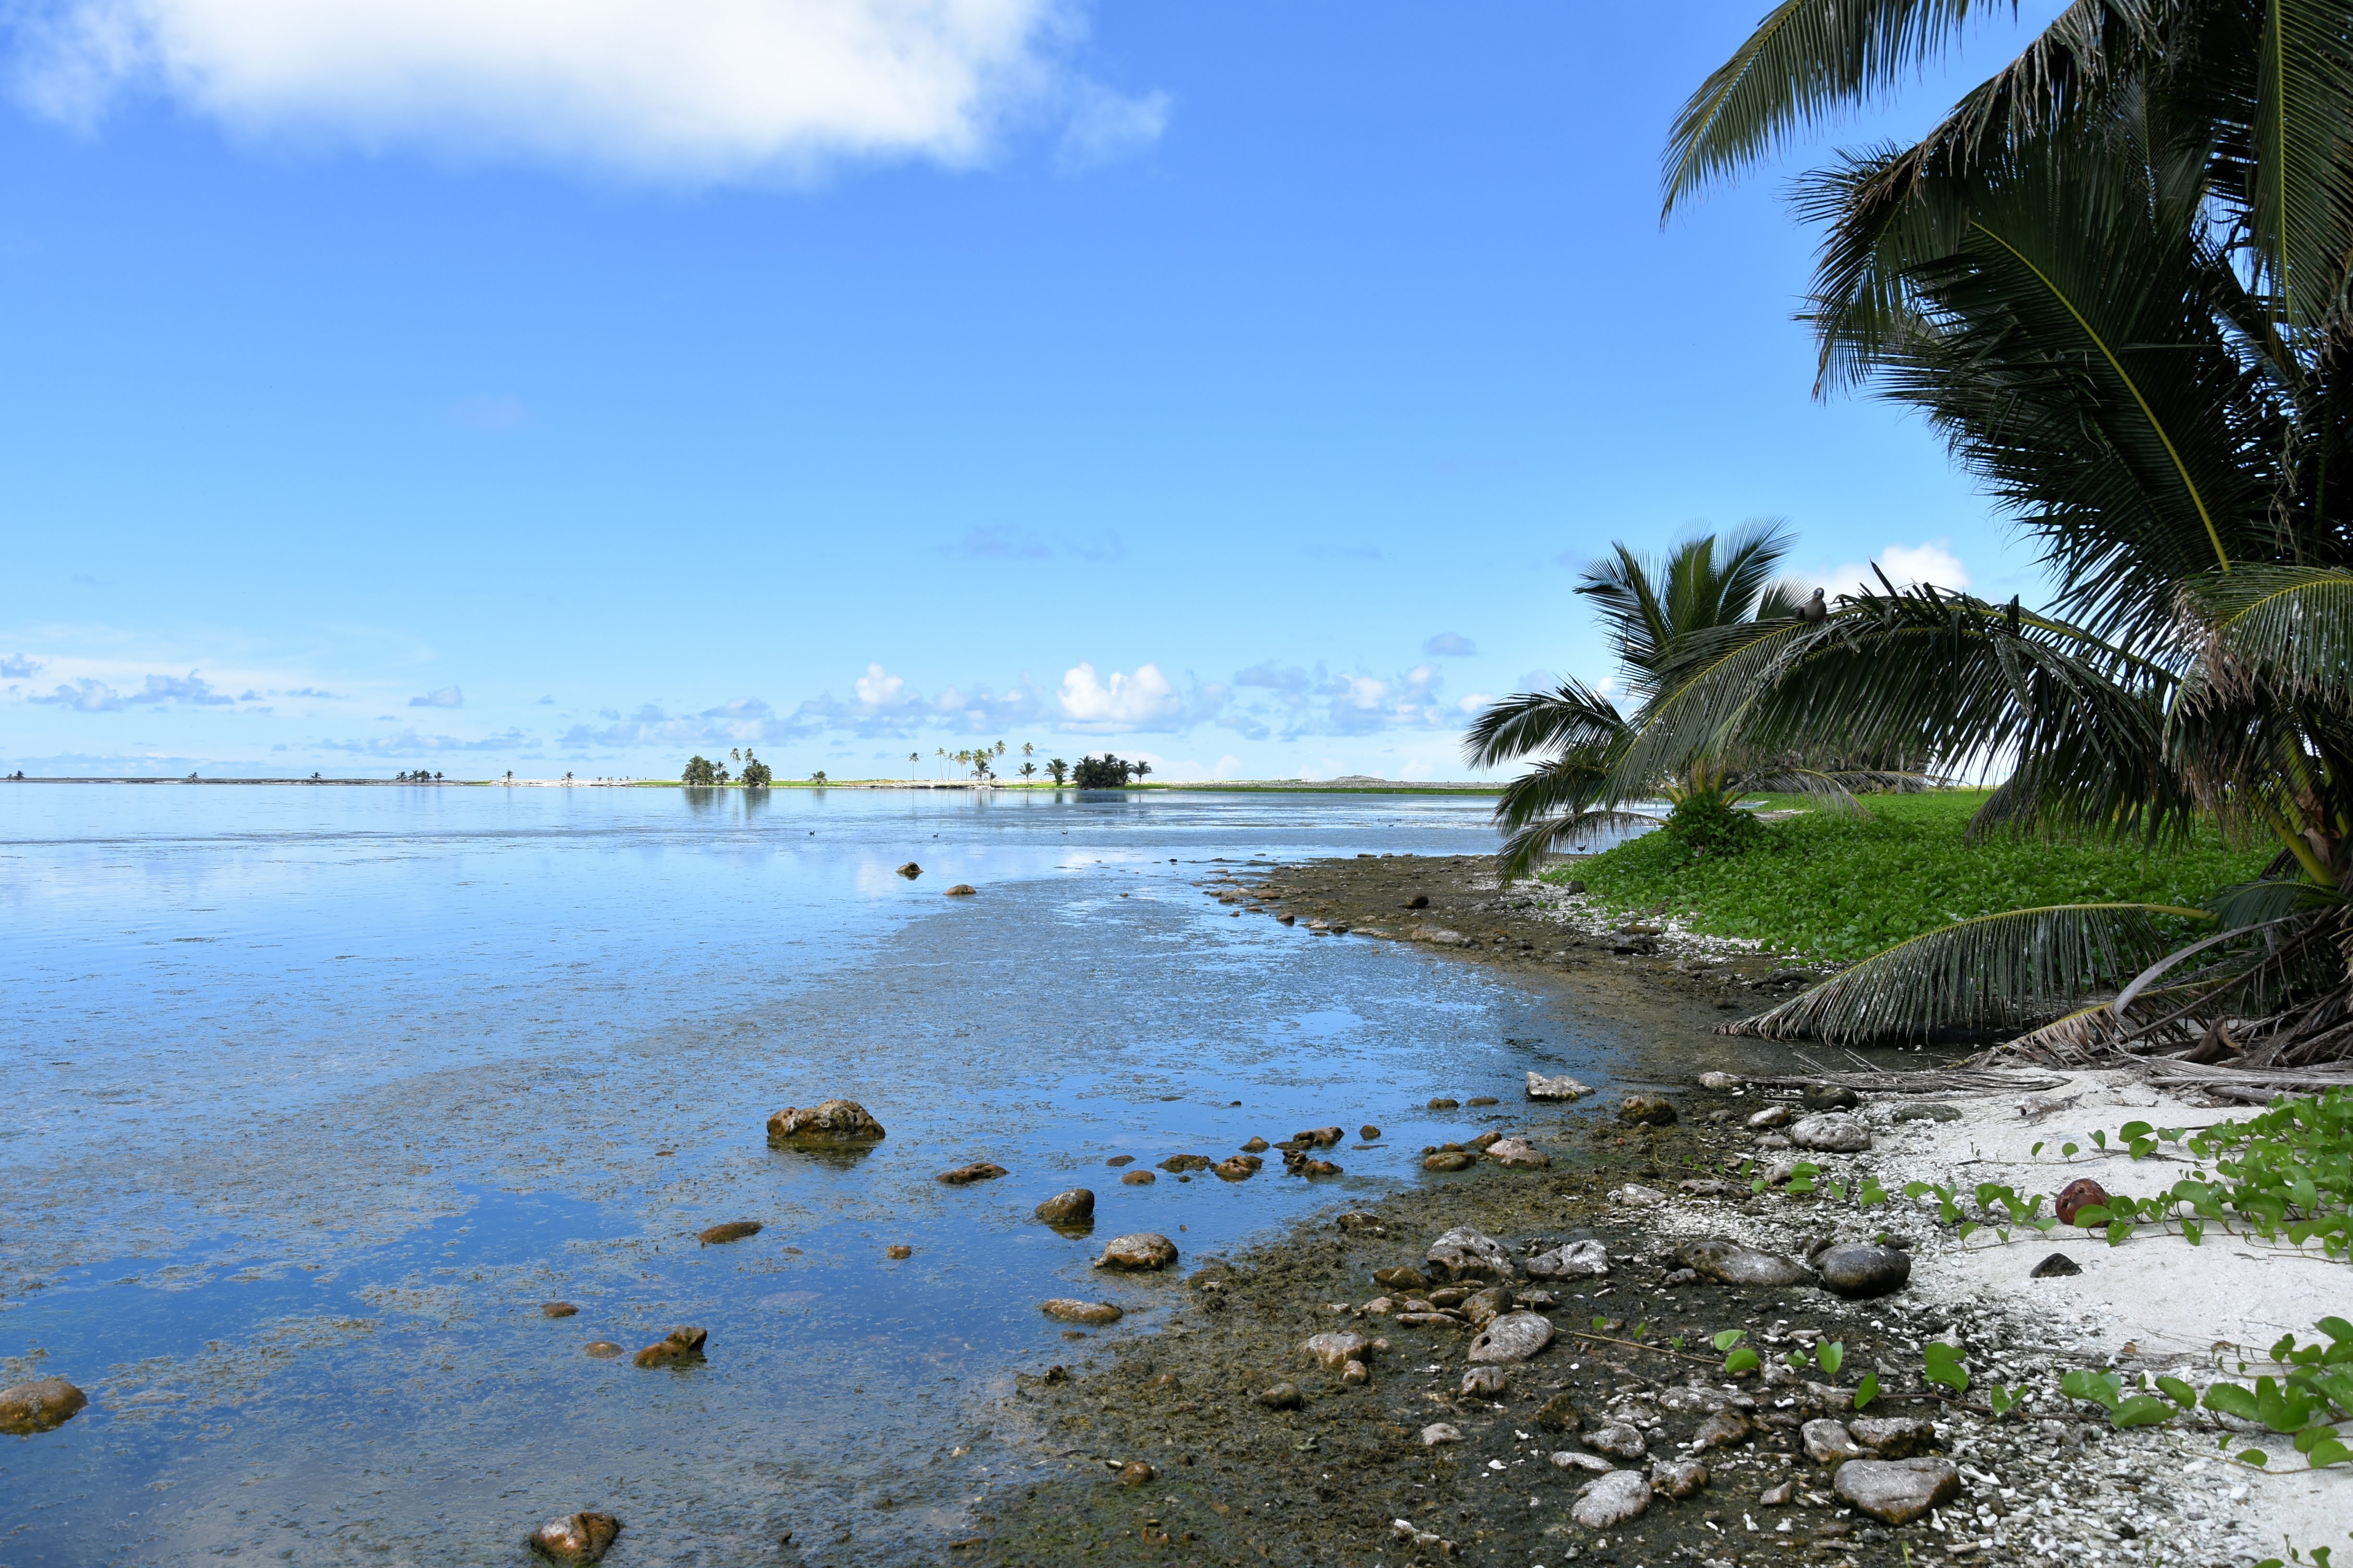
447	697
878	687
1144	700
1905	564
17	665
695	89
1450	645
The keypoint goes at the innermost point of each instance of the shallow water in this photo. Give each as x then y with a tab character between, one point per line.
314	1095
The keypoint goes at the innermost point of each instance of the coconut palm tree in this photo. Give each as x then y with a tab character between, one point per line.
2115	279
1653	611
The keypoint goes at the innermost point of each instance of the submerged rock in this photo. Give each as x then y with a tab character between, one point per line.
964	1176
576	1537
1238	1167
1572	1260
1897	1491
1634	1196
1094	1314
1138	1179
1860	1271
1464	1251
1076	1206
557	1310
1318	1137
1175	1163
1255	1146
910	870
1608	1502
603	1350
1443	1103
1512	1337
1144	1251
679	1347
733	1230
41	1405
1646	1111
1560	1087
1729	1263
831	1124
961	891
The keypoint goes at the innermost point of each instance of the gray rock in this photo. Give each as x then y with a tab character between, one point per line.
1560	1087
1829	1442
1518	1154
1634	1196
1097	1313
1619	1440
1572	1260
1560	1414
1860	1271
1678	1478
1777	1497
1608	1502
1928	1113
1283	1396
1591	1464
576	1537
1831	1097
2057	1266
1464	1251
1483	1306
1772	1116
829	1124
1833	1133
1720	1081
1074	1207
1894	1437
1729	1263
1485	1383
1514	1337
1335	1352
1438	1432
39	1407
1144	1251
1897	1491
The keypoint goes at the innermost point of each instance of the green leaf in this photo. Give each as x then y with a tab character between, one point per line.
1740	1361
2329	1451
1944	1365
2140	1410
1867	1390
1722	1341
2335	1328
2230	1399
2254	1456
2179	1392
1830	1355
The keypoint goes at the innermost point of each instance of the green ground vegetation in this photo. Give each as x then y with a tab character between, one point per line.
1837	888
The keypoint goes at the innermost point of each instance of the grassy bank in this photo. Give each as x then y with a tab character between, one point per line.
1839	889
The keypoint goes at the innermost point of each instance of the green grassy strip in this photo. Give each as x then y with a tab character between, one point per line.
1839	889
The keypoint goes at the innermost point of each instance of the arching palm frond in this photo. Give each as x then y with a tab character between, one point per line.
1994	972
1570	718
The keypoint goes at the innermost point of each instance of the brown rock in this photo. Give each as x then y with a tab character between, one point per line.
961	891
1094	1314
1318	1137
1442	1103
966	1175
1238	1167
558	1309
1076	1206
1448	1160
1138	1179
733	1230
1560	1414
1677	1478
1485	1382
1320	1168
1187	1163
1255	1146
910	870
1283	1396
1400	1278
1646	1111
1368	1132
41	1405
1481	1099
898	1250
1721	1429
1894	1437
679	1347
1135	1473
1144	1251
831	1124
603	1350
576	1537
1121	1160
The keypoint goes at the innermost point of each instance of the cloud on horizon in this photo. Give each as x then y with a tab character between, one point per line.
676	90
1932	561
1450	645
409	743
94	696
1002	542
447	697
17	666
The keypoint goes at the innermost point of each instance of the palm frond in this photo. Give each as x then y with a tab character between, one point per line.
1571	716
1996	971
2282	632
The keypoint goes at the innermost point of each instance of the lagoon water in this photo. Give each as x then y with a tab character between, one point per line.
313	1095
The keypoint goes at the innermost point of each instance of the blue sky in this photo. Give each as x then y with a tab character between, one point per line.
515	385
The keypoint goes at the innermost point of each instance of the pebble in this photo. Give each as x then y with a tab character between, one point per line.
1678	1478
1772	1116
1894	1437
1717	1083
1634	1196
558	1309
1137	1179
1135	1473
832	1123
576	1537
1729	1263
1607	1501
1095	1313
2057	1266
1438	1432
1862	1272
733	1230
679	1347
1518	1154
1144	1251
603	1350
1559	1088
1829	1442
1646	1111
1514	1337
964	1176
1897	1491
1559	1414
1777	1497
1442	1103
1617	1440
1355	1371
1722	1429
1076	1206
1483	1306
1464	1251
898	1249
1831	1133
1591	1464
1571	1260
40	1405
1283	1396
1368	1132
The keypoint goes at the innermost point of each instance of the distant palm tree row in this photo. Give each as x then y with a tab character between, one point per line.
2118	280
1106	772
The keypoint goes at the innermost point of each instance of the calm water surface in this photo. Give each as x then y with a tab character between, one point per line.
314	1095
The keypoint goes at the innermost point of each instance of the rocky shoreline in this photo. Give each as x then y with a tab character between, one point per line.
1345	1394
